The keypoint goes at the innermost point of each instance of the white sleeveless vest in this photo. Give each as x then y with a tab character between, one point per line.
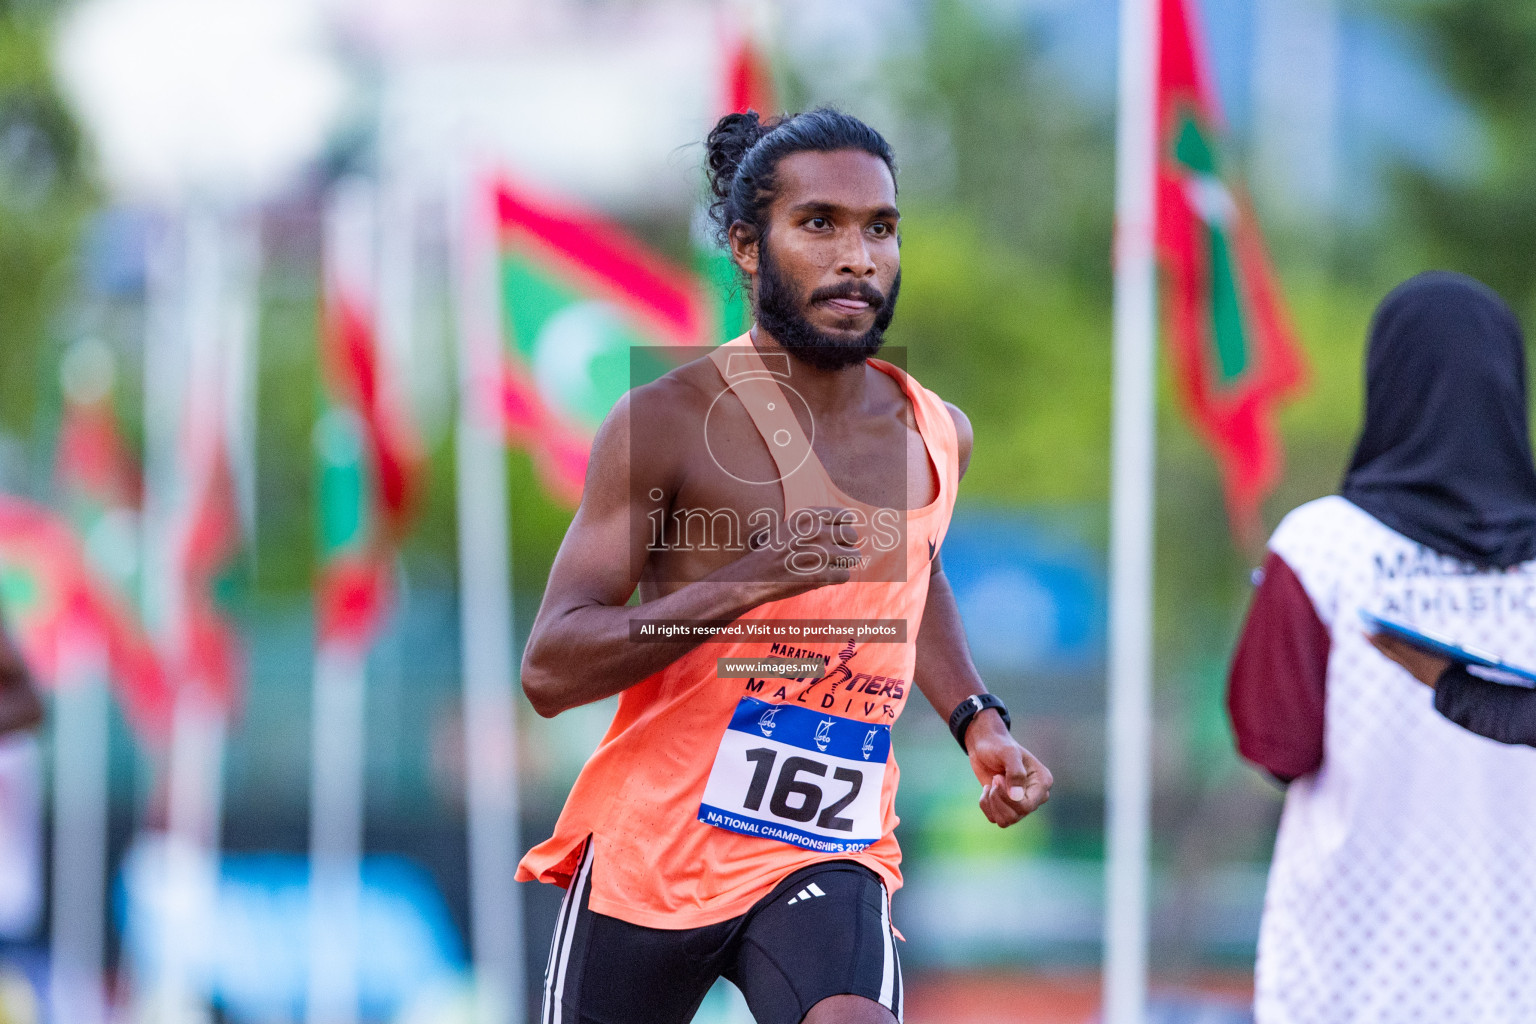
1403	887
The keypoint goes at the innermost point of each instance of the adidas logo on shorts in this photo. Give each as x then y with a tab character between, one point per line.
809	892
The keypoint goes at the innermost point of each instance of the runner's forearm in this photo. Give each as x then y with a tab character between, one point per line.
584	654
945	672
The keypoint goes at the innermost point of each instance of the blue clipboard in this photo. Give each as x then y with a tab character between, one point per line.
1447	648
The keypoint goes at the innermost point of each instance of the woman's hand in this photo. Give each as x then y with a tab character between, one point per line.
1426	668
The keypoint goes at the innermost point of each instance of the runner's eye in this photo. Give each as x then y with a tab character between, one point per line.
818	223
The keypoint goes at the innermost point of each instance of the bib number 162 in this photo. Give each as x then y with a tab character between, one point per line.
799	794
796	776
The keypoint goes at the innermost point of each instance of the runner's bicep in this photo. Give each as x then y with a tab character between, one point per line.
965	436
603	553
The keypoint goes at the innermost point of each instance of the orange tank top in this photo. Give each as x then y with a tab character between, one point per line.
706	792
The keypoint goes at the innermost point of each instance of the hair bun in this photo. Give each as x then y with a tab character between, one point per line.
728	142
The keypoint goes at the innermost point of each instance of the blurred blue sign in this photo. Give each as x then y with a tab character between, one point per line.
255	963
1031	592
116	251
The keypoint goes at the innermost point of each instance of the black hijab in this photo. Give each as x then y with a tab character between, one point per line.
1445	454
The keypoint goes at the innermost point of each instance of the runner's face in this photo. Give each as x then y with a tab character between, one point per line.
828	272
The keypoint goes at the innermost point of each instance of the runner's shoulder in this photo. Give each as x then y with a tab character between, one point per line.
965	436
681	397
642	429
673	400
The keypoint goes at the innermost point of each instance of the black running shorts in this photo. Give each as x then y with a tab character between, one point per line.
823	931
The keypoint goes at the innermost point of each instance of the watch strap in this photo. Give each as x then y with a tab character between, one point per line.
966	711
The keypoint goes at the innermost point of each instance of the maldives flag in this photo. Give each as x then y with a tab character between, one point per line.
94	464
207	649
747	85
49	594
1234	355
202	646
748	80
369	463
578	295
97	473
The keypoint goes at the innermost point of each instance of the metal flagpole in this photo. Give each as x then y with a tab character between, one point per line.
164	364
335	833
1129	725
338	723
195	770
80	793
485	617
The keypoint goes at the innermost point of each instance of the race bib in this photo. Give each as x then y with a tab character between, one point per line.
799	776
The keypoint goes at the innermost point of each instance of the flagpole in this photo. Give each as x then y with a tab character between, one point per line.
338	715
80	794
190	862
1132	497
166	384
485	618
241	370
335	833
194	813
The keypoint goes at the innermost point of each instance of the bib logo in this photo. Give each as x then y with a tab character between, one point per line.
823	735
765	721
869	742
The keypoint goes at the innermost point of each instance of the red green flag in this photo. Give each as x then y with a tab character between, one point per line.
1233	352
369	464
202	645
207	650
747	85
98	475
748	79
578	294
95	465
50	593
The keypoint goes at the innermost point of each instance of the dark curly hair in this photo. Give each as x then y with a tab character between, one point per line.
744	153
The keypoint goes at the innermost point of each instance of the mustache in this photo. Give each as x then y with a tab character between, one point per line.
862	292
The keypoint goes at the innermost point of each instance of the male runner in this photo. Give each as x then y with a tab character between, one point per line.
743	828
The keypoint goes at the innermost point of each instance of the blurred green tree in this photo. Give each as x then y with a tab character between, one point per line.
44	196
1007	236
1483	223
1030	160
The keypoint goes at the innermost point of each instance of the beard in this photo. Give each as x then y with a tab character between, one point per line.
781	313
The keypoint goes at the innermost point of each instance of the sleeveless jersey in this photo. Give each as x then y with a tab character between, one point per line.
683	742
1404	877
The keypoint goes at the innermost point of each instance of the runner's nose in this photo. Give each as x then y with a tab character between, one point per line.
857	261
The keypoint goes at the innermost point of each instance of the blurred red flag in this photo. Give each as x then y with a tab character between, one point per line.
746	85
208	653
94	465
50	594
581	300
102	486
370	464
748	80
1234	355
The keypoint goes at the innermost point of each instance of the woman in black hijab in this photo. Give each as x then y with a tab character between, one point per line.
1445	459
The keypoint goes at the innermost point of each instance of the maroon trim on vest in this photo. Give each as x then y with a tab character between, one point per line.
1277	686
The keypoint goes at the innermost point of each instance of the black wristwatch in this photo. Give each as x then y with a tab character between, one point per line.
960	718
